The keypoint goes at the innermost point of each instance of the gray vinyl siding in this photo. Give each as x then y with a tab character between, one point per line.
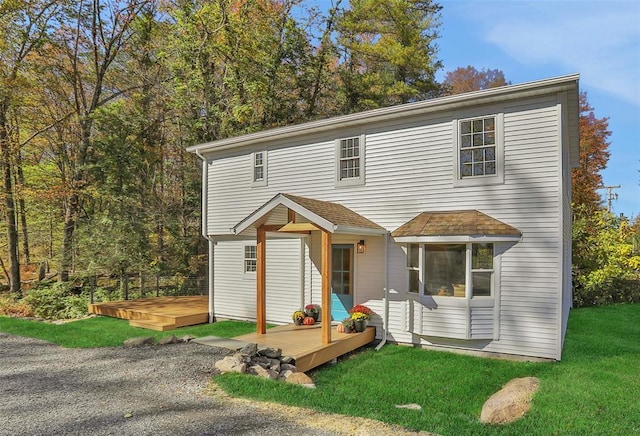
409	169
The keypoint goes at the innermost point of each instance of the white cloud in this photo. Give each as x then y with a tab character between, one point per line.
600	40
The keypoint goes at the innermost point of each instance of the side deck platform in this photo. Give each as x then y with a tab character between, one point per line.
304	343
158	313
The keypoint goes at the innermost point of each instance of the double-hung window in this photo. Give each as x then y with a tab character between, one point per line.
413	267
250	259
478	154
259	174
350	161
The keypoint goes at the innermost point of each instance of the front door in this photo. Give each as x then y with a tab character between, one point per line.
341	281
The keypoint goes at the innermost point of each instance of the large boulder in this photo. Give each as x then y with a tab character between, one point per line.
511	402
300	378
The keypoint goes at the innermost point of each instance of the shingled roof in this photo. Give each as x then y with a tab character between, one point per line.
333	217
334	212
455	223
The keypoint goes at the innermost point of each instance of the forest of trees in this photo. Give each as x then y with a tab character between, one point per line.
99	99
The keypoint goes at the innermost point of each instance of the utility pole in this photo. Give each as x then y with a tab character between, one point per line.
610	195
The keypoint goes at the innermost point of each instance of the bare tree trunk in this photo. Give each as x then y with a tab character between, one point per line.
4	268
9	203
22	211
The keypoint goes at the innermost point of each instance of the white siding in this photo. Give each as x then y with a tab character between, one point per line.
235	291
409	169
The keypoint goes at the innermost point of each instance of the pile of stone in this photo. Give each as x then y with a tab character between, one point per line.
264	362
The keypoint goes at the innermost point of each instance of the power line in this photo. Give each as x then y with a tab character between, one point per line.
610	195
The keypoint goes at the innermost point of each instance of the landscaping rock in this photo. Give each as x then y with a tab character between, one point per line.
186	338
137	342
288	367
272	353
284	374
411	406
274	365
233	363
286	359
300	378
262	372
168	340
249	350
511	402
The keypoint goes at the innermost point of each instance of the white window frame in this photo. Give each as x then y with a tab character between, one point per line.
262	155
249	259
350	181
418	269
480	180
468	272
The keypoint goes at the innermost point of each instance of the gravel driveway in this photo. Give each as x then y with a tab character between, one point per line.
151	390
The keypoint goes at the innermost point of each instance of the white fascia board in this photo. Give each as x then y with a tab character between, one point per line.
454	239
360	231
485	96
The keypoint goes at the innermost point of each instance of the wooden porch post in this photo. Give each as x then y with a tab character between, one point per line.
326	287
261	297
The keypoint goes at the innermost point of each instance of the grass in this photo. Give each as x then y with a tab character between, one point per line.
111	332
593	390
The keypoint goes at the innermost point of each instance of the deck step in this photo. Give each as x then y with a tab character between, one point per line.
152	325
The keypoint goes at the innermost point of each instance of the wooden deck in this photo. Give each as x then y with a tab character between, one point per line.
304	343
158	313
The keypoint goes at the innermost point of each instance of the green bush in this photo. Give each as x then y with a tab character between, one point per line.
56	302
606	261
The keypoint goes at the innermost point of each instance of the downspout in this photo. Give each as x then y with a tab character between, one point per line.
212	243
385	317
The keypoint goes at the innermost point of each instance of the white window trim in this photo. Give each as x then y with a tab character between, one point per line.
494	179
251	274
263	181
468	275
352	181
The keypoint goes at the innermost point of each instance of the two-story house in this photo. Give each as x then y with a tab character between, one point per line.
450	218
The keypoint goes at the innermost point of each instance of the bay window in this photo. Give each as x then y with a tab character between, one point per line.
459	270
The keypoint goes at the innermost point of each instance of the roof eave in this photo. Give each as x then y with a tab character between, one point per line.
456	238
540	87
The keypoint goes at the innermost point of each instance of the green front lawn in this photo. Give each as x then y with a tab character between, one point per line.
111	332
593	390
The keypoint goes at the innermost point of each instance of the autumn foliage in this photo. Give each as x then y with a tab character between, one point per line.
594	155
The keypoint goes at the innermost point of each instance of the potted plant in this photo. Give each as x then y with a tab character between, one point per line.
360	315
345	326
312	310
298	317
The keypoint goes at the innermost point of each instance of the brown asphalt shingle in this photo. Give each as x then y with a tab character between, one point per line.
334	212
454	223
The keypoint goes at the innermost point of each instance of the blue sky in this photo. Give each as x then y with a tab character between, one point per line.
533	40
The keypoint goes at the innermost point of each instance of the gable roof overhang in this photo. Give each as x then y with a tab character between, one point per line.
328	216
568	83
455	226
